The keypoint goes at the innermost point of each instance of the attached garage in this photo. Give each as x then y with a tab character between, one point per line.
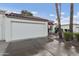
18	27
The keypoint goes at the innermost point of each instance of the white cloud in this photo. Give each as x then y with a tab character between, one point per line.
10	11
66	20
34	12
75	16
77	13
62	13
52	15
14	11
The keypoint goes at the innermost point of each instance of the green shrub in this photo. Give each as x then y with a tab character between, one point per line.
68	36
77	36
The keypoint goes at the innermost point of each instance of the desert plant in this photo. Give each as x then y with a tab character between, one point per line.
77	36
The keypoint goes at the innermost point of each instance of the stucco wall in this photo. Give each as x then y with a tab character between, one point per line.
16	29
2	27
75	27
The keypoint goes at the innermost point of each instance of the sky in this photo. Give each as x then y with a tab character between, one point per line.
43	10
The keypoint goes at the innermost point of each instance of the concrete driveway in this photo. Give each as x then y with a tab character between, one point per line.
36	47
29	47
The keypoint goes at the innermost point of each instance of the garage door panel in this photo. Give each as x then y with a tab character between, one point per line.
27	30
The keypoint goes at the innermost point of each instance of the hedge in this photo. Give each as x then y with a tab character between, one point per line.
77	36
68	36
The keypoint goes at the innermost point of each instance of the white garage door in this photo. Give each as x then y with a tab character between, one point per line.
25	30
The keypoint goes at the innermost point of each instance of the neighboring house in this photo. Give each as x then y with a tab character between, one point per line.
65	27
16	27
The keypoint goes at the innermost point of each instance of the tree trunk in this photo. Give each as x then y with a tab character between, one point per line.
59	24
60	10
71	19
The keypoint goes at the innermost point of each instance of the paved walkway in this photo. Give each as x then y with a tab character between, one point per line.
58	49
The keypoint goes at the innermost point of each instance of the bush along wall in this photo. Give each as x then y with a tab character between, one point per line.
77	36
68	36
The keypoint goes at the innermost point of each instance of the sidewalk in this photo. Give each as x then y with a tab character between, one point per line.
57	49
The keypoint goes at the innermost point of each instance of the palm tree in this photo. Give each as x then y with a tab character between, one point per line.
60	10
71	18
58	18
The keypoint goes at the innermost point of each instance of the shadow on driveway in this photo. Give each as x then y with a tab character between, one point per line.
25	47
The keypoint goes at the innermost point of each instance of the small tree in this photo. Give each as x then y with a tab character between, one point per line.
26	13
